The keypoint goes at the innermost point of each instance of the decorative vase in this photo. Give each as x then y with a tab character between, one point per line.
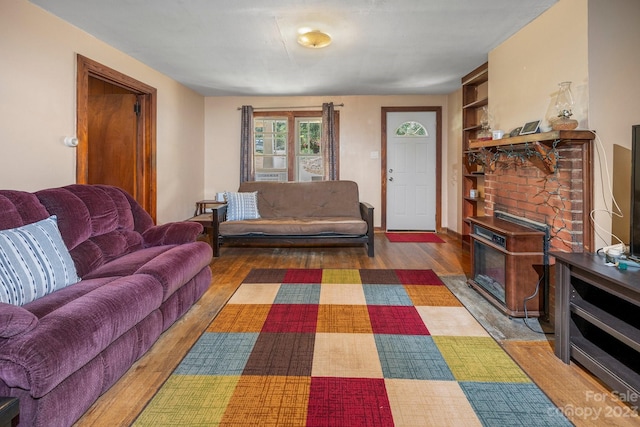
485	123
564	106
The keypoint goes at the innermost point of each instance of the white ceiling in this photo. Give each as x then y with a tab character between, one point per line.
249	47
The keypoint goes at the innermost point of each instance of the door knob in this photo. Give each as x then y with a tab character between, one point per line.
390	170
391	179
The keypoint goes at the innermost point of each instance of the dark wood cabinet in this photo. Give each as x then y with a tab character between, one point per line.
598	319
507	265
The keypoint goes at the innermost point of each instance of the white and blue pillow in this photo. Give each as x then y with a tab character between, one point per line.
34	262
242	206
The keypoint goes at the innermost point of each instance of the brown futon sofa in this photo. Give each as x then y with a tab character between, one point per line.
294	213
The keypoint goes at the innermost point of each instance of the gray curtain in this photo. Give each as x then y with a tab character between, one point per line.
329	142
247	172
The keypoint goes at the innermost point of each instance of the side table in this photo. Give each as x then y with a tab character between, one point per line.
9	411
202	205
209	213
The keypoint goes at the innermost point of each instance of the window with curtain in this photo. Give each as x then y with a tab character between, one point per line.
289	146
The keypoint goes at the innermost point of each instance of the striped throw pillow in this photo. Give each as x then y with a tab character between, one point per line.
34	262
242	206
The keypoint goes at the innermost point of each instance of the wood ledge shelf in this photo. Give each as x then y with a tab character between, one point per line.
541	143
477	76
478	103
572	136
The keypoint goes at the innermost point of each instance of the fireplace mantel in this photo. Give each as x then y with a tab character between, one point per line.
542	143
559	195
564	136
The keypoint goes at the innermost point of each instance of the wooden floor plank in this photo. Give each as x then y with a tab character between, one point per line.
568	386
581	397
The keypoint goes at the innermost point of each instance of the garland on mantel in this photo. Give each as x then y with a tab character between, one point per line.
489	158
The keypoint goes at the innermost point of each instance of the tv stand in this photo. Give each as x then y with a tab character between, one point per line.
597	322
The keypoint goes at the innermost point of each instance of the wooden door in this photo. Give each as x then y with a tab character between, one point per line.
411	173
113	145
90	76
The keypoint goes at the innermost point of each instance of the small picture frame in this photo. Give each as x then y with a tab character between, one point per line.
530	127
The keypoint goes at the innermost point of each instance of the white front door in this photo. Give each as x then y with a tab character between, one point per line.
411	171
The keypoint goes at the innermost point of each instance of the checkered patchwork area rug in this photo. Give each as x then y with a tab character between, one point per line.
340	347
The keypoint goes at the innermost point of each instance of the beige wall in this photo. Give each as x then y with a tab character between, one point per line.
524	71
37	109
360	135
614	64
593	45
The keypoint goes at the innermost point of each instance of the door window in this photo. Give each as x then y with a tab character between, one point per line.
411	128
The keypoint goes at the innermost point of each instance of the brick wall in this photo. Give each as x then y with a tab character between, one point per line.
524	187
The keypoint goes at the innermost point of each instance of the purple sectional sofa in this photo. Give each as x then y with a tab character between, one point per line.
61	351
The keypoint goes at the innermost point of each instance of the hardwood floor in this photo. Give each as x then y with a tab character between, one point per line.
581	397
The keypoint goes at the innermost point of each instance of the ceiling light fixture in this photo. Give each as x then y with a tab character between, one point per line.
314	39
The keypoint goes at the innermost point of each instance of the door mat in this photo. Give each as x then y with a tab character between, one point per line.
413	237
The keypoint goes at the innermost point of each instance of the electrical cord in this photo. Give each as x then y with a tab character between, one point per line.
611	212
526	315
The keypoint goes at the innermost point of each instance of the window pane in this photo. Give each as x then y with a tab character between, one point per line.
309	136
310	168
273	162
270	148
268	145
259	145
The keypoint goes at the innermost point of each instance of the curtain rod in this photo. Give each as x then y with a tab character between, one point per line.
290	108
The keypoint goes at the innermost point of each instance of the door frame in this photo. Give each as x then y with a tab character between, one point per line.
146	138
383	151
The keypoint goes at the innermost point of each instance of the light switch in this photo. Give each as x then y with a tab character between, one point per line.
375	155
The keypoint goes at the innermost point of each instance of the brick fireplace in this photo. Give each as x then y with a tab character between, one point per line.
547	179
558	198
